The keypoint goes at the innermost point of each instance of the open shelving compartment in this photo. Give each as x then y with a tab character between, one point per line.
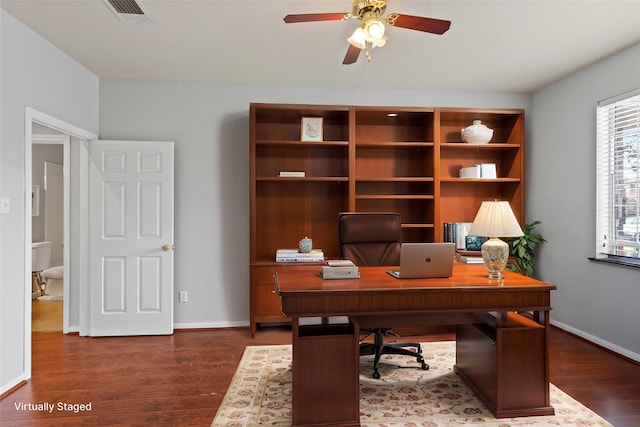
394	166
460	198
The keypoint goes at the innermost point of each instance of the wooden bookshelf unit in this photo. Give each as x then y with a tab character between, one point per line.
370	159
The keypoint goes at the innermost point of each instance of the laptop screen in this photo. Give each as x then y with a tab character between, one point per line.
425	260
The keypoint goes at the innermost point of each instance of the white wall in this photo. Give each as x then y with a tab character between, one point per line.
595	300
40	154
35	74
210	126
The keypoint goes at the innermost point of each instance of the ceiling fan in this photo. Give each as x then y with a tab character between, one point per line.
372	31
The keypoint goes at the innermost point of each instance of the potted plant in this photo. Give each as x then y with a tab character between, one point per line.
522	250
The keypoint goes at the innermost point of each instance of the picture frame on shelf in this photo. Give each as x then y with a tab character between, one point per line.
311	129
473	243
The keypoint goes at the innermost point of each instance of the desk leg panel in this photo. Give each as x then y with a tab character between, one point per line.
506	367
325	377
476	363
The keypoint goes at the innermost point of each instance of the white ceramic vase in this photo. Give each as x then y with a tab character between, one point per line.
305	245
477	133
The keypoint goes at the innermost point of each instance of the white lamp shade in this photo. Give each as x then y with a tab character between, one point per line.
495	219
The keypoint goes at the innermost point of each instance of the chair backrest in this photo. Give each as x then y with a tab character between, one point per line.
370	238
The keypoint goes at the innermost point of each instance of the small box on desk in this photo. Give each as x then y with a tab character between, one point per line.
329	273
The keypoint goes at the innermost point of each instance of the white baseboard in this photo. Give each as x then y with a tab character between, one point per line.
5	388
212	325
606	344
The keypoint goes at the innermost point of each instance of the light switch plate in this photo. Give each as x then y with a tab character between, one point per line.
182	296
4	205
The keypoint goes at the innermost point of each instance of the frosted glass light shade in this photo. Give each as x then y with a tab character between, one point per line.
374	29
358	38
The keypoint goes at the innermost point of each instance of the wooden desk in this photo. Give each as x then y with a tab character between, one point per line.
504	358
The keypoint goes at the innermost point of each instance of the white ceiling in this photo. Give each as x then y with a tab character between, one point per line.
501	45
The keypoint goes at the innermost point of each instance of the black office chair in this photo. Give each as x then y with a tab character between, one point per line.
373	239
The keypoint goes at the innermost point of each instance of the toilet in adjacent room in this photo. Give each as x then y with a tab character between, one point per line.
49	279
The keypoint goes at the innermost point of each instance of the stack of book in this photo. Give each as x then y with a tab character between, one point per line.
457	232
293	255
471	259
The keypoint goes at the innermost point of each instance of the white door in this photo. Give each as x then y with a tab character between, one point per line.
131	238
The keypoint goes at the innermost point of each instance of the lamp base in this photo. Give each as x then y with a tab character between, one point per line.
495	254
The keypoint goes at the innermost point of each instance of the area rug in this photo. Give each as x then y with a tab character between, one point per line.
260	394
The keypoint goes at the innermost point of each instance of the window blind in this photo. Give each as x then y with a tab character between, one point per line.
618	177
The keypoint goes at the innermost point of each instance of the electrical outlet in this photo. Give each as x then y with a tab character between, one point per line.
182	296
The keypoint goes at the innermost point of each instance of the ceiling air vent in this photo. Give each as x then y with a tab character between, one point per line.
128	10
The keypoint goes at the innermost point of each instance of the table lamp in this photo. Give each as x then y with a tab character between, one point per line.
495	219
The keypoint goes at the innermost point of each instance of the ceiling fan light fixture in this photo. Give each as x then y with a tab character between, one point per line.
358	38
371	33
374	29
380	42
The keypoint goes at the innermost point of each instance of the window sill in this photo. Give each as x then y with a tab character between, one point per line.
625	261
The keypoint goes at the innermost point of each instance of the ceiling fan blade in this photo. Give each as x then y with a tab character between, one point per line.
352	55
312	17
419	23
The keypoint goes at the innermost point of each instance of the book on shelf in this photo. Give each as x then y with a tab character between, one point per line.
457	232
291	174
293	255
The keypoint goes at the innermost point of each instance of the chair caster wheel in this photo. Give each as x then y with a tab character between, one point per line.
376	375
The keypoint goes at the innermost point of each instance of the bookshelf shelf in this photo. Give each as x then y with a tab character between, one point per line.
490	146
397	179
396	144
302	144
395	196
302	178
479	180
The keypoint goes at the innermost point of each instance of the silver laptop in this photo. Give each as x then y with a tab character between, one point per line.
425	260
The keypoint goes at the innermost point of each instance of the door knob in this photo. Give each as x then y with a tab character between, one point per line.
166	248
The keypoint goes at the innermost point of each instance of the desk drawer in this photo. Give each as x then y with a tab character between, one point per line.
265	303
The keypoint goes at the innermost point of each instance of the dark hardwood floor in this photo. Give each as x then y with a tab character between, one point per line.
180	380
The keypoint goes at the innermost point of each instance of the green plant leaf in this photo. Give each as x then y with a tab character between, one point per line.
523	249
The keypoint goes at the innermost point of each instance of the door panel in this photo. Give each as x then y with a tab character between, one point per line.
131	210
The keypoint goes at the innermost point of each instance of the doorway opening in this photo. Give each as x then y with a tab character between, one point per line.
50	154
75	211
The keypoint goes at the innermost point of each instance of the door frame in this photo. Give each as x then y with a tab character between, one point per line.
34	116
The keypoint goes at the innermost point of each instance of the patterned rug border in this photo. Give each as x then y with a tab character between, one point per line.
260	394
